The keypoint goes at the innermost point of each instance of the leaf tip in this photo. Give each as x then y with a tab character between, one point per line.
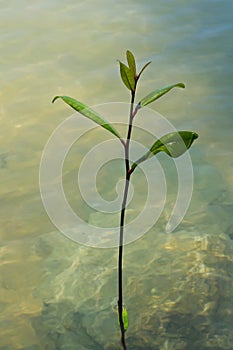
55	98
195	135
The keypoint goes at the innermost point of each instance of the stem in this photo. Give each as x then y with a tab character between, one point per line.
122	223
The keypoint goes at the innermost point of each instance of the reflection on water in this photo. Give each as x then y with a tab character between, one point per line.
56	294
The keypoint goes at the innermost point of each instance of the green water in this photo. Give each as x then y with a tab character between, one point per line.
57	294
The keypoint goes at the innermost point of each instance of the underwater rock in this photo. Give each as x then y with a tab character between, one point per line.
59	327
178	294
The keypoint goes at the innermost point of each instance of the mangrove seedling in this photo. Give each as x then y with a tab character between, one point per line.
174	144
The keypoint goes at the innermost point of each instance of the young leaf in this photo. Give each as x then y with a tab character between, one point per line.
154	95
143	68
131	62
127	76
88	112
125	319
174	144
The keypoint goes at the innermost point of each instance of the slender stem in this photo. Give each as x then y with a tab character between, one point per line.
122	223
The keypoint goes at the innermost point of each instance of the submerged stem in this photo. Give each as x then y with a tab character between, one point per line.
122	223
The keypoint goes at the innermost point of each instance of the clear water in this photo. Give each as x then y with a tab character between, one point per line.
56	294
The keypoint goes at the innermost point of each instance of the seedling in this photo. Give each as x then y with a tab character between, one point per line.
174	144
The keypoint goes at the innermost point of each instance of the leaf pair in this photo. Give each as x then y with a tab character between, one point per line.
174	144
129	74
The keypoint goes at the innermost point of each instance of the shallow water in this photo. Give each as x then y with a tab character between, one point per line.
57	294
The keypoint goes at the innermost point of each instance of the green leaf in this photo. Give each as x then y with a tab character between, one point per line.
88	112
131	62
174	144
127	76
154	95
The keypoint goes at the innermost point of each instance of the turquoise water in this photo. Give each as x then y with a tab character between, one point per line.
57	294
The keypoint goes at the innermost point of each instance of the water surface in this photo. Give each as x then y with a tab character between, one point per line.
57	294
